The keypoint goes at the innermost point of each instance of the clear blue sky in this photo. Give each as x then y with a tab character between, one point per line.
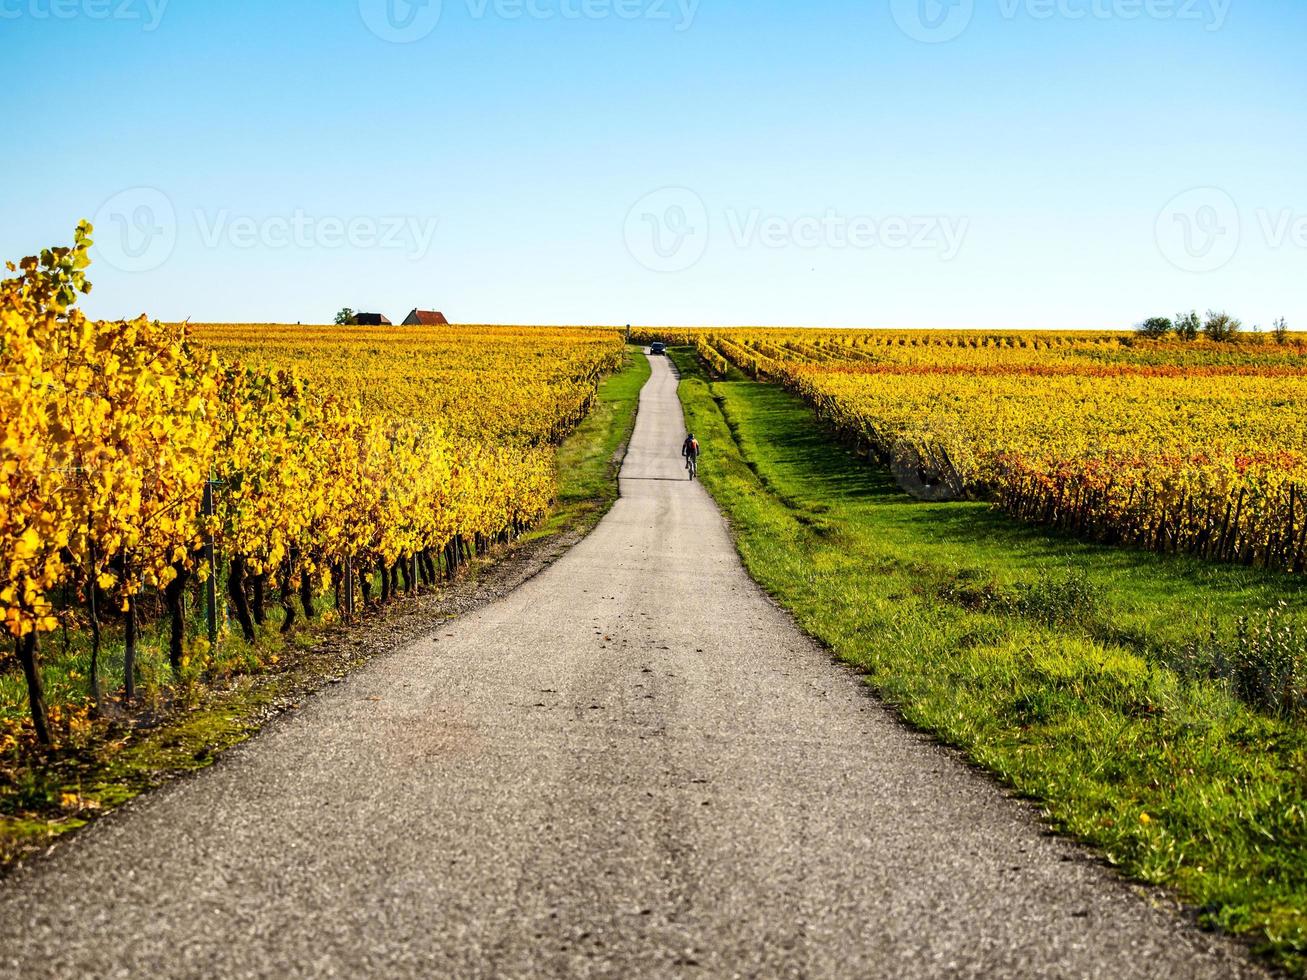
1057	163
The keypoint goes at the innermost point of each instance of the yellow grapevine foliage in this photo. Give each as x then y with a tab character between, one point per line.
1194	447
107	434
324	445
427	434
525	385
36	514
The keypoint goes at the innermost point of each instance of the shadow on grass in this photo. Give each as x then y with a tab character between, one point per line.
798	460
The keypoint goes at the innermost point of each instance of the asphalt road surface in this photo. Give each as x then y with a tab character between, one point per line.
634	765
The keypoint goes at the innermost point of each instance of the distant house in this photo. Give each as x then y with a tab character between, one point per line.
425	318
372	320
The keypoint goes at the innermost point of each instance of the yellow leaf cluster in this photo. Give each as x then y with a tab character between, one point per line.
333	444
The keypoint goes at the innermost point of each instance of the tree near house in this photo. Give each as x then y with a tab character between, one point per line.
346	317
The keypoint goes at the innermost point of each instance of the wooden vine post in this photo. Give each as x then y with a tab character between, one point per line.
210	560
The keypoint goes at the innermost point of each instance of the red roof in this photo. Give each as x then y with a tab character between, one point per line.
425	318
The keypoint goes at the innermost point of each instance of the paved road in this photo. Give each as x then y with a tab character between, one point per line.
632	766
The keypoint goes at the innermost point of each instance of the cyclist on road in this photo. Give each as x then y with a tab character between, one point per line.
690	450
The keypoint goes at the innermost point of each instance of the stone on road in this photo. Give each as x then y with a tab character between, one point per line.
634	765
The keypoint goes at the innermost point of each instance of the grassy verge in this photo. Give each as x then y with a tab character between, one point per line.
1038	656
588	463
228	693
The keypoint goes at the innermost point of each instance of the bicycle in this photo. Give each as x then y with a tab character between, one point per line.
692	465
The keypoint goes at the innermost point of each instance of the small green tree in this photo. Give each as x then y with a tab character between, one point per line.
1221	327
1155	327
1280	331
346	317
1187	325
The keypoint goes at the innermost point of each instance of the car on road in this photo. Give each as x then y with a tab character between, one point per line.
658	347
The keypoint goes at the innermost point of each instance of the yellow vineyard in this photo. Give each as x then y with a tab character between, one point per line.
134	452
1178	446
526	385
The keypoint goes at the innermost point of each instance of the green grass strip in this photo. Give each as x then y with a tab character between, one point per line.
589	461
1035	654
